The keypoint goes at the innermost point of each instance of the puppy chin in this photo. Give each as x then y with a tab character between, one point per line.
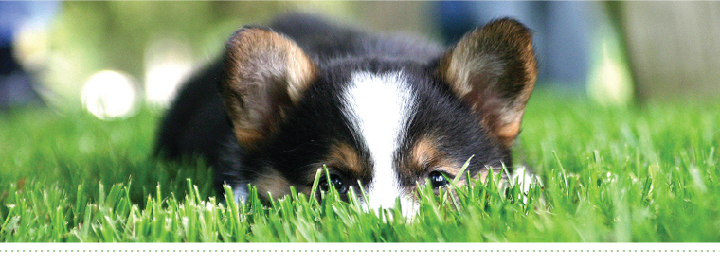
409	207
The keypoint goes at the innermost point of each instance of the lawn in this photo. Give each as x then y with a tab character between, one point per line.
641	173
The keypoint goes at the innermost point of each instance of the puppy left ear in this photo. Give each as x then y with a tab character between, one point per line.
266	76
493	71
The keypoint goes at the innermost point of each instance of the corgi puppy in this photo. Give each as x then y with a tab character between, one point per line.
385	112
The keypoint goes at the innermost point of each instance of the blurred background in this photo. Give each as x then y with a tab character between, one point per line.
113	57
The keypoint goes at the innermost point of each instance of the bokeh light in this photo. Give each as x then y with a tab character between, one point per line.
109	94
167	63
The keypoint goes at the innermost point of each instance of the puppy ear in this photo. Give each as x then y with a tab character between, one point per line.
493	70
265	75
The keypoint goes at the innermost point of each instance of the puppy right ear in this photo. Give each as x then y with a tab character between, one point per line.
265	75
493	70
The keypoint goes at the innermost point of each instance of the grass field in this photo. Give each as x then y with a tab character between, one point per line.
639	173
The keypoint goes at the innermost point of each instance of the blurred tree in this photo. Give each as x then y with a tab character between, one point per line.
672	47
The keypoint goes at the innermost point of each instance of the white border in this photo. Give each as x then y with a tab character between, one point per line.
345	251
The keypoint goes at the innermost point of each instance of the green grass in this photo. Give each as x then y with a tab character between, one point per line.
641	173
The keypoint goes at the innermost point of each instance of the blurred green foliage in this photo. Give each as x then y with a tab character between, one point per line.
90	36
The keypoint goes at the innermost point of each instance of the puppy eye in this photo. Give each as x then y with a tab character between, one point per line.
437	179
336	181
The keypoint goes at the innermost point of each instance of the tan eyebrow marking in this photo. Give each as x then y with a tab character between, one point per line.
344	157
425	156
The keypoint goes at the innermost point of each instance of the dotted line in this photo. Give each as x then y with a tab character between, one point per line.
354	251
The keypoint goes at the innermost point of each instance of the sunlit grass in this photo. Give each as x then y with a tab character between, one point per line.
639	173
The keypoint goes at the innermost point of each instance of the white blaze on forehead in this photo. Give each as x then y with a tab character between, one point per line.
379	107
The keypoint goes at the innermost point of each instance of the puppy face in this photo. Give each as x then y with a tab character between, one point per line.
385	125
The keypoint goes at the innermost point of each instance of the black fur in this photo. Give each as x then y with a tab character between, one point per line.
197	122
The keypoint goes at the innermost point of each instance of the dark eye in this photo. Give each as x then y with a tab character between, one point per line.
437	179
336	181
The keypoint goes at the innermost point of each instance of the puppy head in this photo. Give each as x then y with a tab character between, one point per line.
385	125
